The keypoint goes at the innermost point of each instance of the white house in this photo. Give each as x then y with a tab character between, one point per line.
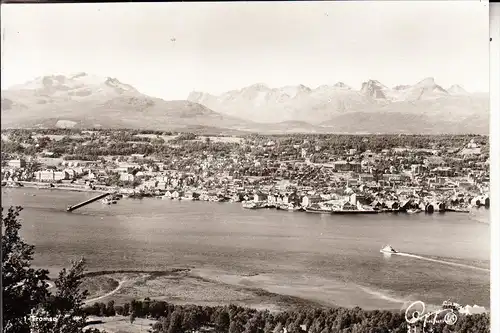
127	177
310	199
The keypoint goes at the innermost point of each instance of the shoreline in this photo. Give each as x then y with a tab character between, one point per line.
184	286
190	287
81	188
60	187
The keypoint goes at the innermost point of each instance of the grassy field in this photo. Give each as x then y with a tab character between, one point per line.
99	285
121	324
224	139
175	287
185	287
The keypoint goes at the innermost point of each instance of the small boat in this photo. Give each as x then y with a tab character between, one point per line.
251	205
289	207
388	249
318	210
413	211
116	197
106	201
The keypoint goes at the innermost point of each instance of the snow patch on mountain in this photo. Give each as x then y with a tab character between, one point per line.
457	90
79	85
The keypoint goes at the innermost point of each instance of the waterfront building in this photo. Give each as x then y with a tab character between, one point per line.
308	200
71	173
391	204
17	164
259	196
272	199
176	194
51	175
292	198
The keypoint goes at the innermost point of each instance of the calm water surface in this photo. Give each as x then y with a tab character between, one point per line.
330	258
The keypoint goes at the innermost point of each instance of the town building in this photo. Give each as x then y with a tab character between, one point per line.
51	175
17	164
345	166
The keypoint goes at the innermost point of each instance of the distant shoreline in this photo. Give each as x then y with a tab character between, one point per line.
63	187
81	188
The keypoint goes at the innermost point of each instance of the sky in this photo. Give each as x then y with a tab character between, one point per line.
167	50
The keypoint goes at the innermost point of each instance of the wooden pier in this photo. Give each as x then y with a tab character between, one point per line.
86	202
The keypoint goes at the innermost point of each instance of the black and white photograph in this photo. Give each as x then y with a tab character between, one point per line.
247	167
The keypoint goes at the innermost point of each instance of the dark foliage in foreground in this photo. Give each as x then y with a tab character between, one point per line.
234	319
27	304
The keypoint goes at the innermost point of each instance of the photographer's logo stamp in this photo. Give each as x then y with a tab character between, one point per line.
416	314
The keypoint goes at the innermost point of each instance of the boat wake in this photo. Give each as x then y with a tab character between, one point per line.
382	295
441	261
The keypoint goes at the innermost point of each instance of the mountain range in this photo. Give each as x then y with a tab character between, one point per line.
421	107
84	100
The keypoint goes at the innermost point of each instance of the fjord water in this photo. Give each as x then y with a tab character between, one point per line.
334	259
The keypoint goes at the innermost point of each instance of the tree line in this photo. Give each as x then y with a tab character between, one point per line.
236	319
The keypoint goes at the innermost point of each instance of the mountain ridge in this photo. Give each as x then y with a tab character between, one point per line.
86	100
322	105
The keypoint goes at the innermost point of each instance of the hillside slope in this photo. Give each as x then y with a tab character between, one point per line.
84	100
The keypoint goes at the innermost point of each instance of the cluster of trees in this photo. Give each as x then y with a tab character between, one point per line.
43	131
74	131
235	319
186	137
81	157
340	142
27	304
12	147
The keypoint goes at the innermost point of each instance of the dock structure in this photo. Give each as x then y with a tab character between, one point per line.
86	202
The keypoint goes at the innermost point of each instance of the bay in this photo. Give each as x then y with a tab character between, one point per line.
334	259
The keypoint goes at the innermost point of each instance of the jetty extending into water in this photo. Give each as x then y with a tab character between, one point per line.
86	202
